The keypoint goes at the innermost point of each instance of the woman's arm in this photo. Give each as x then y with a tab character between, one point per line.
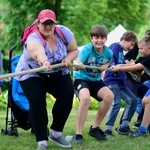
72	52
37	52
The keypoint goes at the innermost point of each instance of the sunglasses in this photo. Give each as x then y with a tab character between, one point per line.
45	24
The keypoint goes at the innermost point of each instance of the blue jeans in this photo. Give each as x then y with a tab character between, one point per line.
147	83
139	105
121	93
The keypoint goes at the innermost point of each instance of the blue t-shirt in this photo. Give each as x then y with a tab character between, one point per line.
89	56
118	58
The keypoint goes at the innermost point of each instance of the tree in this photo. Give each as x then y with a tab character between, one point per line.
81	15
78	15
17	15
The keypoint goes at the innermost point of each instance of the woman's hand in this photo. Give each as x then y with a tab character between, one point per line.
67	62
47	64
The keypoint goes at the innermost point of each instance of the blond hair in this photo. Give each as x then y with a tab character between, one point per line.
145	40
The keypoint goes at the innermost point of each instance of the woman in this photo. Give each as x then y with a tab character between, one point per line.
57	82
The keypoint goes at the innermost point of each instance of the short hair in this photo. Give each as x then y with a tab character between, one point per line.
145	40
147	32
129	36
98	31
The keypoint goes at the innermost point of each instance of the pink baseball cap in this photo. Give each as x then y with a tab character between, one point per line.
45	15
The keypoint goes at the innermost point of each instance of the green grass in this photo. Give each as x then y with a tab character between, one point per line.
26	140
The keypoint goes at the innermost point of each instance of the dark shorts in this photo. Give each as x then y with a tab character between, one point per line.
93	86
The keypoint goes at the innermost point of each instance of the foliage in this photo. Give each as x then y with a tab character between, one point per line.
79	16
3	100
94	105
18	15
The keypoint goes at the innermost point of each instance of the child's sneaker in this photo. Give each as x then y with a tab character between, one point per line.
148	128
139	133
97	133
77	139
123	131
136	125
108	133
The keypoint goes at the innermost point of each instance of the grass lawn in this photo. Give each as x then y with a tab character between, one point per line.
26	140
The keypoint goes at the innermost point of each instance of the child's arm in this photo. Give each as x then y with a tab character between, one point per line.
129	68
81	65
104	67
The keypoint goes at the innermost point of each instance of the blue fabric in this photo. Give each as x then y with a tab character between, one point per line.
143	128
148	93
17	93
118	58
139	104
147	83
121	93
90	57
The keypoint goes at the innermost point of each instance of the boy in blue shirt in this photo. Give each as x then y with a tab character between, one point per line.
142	64
116	82
88	82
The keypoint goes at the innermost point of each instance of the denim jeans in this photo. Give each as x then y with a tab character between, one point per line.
147	83
121	93
139	104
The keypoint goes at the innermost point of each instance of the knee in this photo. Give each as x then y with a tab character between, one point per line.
85	101
108	99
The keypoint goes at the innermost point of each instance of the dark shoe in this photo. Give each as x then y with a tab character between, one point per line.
60	141
108	133
123	131
77	139
97	133
42	147
148	128
136	125
138	133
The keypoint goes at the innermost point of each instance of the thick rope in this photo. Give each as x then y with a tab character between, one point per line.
40	69
89	67
43	68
